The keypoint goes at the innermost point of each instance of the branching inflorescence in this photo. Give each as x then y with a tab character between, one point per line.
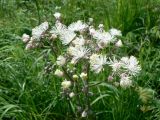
84	54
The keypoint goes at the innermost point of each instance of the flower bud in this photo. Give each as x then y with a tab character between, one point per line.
125	83
58	73
90	20
119	43
101	26
66	84
92	31
71	94
29	46
116	84
110	79
75	77
53	37
57	15
83	75
61	60
73	62
25	38
84	114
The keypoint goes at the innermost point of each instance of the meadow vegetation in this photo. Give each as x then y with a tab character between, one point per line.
29	92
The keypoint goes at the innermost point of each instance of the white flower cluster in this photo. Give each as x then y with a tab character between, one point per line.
97	62
126	68
83	42
37	33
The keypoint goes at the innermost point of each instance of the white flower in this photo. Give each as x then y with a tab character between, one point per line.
78	52
115	64
103	38
79	41
25	38
131	65
58	73
125	82
57	15
58	29
83	75
66	84
66	36
92	30
61	60
115	32
77	26
97	62
71	94
119	43
102	43
38	31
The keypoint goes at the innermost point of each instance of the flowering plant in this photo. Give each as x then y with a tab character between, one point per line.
84	51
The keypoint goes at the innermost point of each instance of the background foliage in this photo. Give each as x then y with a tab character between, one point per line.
27	93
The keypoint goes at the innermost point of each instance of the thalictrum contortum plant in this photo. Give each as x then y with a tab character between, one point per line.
83	42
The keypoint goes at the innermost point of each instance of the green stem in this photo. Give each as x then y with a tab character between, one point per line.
97	83
77	91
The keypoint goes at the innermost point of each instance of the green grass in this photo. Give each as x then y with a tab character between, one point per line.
27	93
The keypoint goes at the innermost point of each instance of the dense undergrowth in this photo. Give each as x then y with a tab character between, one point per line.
28	93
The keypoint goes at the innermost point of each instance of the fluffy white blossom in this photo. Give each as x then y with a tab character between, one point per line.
115	32
66	84
92	31
58	29
39	31
77	26
125	81
103	38
65	35
97	62
61	60
58	73
115	64
25	38
79	41
78	52
131	65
